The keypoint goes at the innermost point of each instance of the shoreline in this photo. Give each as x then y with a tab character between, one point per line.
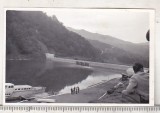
93	94
89	95
81	90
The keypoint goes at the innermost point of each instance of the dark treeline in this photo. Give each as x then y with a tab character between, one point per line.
30	34
34	33
112	54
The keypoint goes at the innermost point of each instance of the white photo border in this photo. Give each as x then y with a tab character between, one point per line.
151	61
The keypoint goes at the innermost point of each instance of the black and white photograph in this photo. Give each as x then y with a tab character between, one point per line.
67	55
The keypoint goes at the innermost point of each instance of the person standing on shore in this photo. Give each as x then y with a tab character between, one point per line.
74	90
78	89
71	91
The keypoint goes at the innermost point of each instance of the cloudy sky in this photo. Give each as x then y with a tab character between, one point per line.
126	25
68	20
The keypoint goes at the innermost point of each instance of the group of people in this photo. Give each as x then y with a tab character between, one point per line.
75	90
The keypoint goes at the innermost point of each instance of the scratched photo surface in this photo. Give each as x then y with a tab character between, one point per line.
77	56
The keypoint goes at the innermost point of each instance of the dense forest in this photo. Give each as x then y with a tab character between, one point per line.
114	50
31	34
112	54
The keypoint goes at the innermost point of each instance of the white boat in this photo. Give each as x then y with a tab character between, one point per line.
25	91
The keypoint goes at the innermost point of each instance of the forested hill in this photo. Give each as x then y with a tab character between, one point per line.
141	49
30	34
117	51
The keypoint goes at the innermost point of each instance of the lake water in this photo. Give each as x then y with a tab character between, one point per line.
55	76
90	81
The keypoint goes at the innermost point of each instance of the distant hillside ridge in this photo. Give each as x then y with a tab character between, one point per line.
114	50
141	49
30	34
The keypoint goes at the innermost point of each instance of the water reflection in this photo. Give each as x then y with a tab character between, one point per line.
55	76
89	82
52	75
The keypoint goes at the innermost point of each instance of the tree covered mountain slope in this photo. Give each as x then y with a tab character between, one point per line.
141	49
117	51
30	34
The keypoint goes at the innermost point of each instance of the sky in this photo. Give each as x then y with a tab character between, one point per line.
122	24
138	36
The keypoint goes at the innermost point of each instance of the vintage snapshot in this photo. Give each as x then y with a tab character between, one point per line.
60	55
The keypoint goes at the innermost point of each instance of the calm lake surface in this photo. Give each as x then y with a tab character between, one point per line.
55	76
